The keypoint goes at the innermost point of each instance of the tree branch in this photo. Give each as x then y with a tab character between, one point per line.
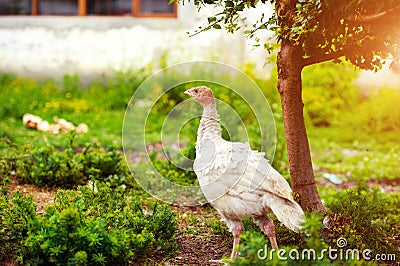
209	26
377	16
322	58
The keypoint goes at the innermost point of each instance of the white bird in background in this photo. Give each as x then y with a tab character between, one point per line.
238	181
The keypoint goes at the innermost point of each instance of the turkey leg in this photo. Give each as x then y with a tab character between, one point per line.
236	231
269	230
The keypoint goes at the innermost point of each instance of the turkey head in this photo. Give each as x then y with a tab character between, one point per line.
202	95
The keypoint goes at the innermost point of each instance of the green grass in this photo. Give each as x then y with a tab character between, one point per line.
356	155
105	129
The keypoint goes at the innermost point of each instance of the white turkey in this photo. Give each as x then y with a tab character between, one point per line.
238	181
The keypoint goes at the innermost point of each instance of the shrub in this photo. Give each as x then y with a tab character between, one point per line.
17	216
102	165
96	225
49	167
366	218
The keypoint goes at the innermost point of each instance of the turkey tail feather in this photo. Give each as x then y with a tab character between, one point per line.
289	213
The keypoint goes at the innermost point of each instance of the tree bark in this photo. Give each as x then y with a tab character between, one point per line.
289	64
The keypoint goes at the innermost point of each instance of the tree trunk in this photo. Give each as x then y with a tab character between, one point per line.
289	64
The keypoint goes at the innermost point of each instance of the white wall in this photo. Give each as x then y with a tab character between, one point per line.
55	45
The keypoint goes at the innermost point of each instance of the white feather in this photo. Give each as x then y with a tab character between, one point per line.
239	181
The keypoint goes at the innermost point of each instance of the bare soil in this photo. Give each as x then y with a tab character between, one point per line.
41	196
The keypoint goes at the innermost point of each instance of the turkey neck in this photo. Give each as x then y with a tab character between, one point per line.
209	124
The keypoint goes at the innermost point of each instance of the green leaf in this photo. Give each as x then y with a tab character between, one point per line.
217	26
229	4
263	27
211	19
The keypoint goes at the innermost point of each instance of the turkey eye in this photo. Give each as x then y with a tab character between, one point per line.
196	91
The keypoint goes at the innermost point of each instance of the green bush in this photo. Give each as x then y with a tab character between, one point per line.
93	225
366	218
103	165
17	216
50	167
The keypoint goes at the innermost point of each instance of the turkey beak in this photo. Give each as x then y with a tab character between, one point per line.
188	92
